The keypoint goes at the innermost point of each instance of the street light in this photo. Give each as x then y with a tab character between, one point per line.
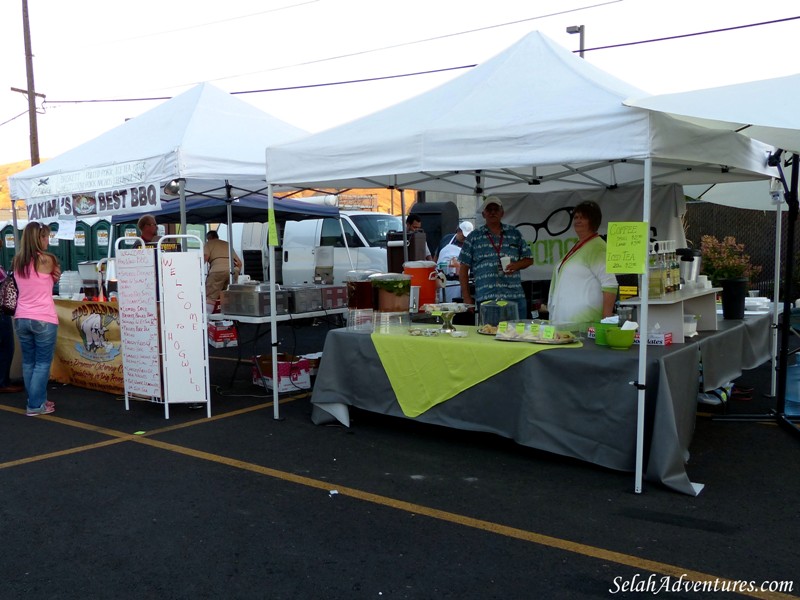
578	29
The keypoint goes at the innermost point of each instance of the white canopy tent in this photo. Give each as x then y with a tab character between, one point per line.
533	118
211	144
762	110
750	195
204	136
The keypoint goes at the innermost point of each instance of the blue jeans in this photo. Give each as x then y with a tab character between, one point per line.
6	349
37	339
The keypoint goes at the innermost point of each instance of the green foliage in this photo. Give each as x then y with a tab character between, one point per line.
726	260
398	287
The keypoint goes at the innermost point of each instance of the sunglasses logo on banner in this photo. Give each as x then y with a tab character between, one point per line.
556	224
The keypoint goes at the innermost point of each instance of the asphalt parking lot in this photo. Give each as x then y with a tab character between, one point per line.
101	502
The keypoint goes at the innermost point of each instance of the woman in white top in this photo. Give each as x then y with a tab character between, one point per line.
581	291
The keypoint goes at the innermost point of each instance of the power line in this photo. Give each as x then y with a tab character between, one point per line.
422	41
25	112
359	53
428	72
686	35
281	89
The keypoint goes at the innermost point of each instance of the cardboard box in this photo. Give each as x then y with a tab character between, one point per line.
222	334
656	339
294	373
313	362
653	339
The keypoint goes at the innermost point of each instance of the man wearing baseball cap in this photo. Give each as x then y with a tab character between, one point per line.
495	253
447	258
455	239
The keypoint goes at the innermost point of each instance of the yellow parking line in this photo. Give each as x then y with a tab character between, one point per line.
58	453
512	532
409	507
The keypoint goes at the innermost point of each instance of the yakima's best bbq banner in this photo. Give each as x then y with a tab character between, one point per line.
102	203
100	192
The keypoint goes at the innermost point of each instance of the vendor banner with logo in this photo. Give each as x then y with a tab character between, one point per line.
545	220
119	189
88	346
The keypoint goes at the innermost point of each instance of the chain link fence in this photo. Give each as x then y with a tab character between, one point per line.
755	229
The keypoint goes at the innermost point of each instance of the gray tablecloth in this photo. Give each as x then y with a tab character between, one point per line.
738	345
574	402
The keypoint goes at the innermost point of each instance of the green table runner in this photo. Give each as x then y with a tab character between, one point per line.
425	371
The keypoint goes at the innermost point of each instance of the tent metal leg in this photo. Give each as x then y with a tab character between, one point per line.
778	416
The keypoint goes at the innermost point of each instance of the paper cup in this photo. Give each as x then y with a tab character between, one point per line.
505	261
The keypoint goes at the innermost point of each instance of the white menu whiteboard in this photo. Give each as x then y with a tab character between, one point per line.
138	321
183	327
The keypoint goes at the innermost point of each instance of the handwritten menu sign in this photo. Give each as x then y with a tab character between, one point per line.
138	322
184	327
626	250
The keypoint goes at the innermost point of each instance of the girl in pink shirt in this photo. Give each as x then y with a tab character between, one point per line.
35	319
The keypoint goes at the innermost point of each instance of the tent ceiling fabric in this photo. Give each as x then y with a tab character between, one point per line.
534	118
751	195
762	110
204	135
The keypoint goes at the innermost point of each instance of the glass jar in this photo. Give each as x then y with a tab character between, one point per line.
394	291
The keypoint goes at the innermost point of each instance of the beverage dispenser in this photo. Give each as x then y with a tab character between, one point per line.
360	300
690	263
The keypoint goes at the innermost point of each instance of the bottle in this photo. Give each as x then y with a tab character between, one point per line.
676	272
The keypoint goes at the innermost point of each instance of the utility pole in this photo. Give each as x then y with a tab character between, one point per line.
31	88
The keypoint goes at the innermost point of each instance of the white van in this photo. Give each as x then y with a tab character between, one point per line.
365	231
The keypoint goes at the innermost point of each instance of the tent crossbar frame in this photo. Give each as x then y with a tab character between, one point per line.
227	189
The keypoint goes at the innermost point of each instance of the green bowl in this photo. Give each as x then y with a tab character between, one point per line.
620	339
600	332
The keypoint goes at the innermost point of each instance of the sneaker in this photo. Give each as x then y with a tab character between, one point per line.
44	409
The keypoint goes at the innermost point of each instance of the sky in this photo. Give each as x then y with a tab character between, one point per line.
98	50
